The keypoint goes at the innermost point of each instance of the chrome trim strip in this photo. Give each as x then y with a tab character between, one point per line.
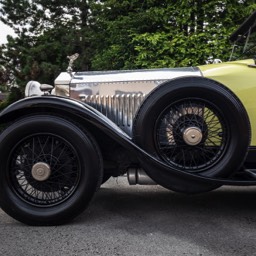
134	75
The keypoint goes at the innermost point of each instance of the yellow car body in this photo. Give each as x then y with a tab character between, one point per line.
240	77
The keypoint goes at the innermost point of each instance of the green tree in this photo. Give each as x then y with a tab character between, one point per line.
112	34
150	34
47	32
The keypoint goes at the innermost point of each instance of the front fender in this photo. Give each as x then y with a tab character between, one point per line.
59	105
70	107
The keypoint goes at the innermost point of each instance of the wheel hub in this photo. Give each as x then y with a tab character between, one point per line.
192	136
41	171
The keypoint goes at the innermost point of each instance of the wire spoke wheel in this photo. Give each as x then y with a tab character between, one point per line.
191	134
49	170
193	125
44	169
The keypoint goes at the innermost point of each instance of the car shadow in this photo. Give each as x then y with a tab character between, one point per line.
210	220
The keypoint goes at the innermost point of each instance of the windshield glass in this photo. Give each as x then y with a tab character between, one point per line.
245	46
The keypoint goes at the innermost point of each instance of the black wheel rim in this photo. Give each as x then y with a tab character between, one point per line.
57	159
191	134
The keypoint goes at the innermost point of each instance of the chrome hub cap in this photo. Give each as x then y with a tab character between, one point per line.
41	171
192	136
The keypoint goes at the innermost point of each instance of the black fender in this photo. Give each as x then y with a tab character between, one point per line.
63	106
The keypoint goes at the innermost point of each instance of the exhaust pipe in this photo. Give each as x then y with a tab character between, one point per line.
139	176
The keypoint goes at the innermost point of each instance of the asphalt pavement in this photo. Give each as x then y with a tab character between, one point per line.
144	220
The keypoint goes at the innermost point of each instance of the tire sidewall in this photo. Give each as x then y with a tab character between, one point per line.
90	170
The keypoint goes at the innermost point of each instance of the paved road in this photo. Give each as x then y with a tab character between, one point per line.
144	220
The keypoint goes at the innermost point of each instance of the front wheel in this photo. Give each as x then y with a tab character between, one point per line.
49	170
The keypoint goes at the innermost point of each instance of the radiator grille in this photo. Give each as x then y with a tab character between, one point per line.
119	108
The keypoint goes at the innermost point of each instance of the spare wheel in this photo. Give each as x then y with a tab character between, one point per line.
193	124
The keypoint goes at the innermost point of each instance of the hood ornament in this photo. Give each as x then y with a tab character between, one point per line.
71	58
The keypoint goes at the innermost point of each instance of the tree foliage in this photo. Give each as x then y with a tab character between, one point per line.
113	34
149	34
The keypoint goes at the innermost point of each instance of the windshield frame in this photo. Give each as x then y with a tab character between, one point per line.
241	38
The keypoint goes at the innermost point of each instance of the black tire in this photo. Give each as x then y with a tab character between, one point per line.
49	170
193	124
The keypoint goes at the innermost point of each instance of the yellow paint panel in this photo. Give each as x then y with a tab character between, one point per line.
240	78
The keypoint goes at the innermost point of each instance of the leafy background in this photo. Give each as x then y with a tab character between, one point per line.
112	34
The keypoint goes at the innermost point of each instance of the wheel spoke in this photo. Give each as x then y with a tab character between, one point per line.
182	117
62	160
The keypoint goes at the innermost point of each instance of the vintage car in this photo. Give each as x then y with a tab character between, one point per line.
190	130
